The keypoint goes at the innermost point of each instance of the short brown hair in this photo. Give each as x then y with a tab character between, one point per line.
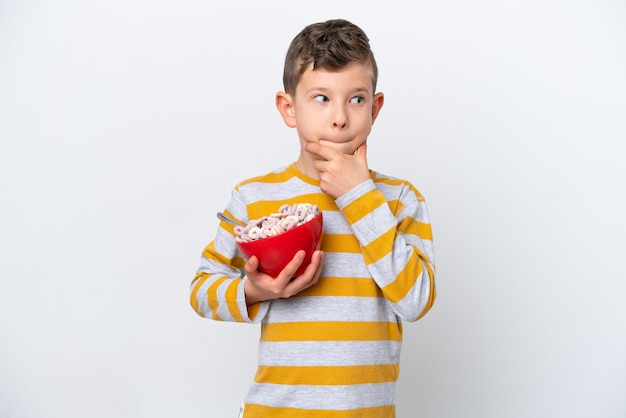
330	45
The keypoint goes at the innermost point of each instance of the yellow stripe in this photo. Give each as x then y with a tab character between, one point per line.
391	182
363	205
279	177
421	255
228	226
433	291
210	253
343	286
212	297
331	331
397	290
238	262
265	207
253	310
262	411
380	247
413	227
395	205
398	182
340	243
198	279
327	375
231	300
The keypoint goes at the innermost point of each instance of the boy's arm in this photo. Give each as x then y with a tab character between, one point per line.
396	242
217	290
228	288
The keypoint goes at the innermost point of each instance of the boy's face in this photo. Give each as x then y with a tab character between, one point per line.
335	108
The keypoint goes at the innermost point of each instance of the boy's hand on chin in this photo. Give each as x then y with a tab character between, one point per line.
339	172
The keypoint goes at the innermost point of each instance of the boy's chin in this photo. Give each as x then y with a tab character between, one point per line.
344	148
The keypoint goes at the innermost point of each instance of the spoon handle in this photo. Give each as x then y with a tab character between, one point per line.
225	218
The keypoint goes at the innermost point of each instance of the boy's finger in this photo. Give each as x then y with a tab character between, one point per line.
315	266
322	151
310	275
291	268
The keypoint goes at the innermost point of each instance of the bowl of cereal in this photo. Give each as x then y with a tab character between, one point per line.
275	239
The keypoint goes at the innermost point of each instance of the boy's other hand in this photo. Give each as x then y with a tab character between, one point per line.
260	286
339	172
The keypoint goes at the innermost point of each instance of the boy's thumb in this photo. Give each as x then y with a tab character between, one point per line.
252	264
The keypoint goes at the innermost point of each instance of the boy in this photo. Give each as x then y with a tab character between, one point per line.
330	338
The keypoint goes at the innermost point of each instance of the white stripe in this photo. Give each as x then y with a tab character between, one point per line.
259	191
344	265
203	304
391	191
322	397
335	223
224	243
387	268
222	309
354	193
412	305
330	308
374	224
329	353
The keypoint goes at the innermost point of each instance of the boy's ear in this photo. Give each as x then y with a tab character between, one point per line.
377	104
284	104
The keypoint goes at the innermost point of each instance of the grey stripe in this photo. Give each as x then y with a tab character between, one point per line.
322	397
344	265
259	191
330	308
329	353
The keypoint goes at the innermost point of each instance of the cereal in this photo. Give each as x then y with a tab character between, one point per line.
287	217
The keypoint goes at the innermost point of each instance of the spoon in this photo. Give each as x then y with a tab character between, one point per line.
231	221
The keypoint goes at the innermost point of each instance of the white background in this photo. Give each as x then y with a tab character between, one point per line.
124	125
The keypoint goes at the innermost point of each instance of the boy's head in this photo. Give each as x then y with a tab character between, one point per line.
329	45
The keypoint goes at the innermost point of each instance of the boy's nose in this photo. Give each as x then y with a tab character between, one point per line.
340	118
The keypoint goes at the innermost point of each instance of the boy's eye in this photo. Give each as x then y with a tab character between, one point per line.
320	98
357	100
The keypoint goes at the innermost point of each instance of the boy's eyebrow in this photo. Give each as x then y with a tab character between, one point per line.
360	89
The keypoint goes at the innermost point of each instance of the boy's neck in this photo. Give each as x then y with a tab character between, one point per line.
305	165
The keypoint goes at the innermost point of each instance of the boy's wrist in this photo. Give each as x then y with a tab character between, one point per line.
354	193
250	293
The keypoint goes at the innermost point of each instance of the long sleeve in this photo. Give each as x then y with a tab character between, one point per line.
390	220
217	290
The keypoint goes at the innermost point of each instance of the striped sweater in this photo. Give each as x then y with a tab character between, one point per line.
333	350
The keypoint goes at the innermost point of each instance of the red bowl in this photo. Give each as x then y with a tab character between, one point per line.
275	252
